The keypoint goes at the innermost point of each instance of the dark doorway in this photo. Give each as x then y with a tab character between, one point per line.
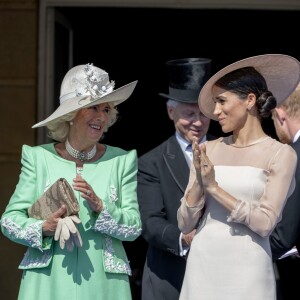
134	44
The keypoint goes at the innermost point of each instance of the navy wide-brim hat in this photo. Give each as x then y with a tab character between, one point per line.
186	78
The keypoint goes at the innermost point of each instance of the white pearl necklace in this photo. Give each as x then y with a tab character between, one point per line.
80	155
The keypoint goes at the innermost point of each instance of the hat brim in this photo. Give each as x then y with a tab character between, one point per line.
76	103
281	72
186	100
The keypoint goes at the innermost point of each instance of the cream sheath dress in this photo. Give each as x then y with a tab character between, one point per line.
230	256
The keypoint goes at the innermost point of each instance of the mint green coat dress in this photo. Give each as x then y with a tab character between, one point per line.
97	270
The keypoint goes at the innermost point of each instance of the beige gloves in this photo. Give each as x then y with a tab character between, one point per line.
67	233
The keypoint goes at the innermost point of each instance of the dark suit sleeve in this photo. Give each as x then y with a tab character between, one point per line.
286	232
158	205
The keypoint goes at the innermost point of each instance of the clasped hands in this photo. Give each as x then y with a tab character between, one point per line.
64	229
204	168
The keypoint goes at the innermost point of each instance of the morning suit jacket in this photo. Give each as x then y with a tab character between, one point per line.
287	232
162	178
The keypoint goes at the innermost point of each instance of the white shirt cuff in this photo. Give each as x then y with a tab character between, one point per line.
182	251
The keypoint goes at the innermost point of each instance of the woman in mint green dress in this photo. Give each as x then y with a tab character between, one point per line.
92	263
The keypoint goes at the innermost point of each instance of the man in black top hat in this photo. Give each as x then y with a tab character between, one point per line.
162	179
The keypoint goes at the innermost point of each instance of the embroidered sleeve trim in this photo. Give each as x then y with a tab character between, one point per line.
29	261
106	224
31	235
109	262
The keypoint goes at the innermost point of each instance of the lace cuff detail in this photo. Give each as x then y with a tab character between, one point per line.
32	235
106	224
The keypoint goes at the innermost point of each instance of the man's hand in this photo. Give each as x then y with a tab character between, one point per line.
187	238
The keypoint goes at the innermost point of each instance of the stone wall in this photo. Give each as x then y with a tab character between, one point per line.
18	89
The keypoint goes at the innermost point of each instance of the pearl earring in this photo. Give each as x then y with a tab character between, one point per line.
71	123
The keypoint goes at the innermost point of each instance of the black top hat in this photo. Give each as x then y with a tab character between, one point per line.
186	78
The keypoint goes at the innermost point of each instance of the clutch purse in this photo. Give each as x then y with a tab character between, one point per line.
59	193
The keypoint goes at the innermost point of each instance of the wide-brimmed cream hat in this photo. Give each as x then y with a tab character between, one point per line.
281	72
84	86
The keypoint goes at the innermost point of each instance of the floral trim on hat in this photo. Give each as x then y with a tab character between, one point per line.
95	83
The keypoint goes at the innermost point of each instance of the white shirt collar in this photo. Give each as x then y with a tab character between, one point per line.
184	143
297	135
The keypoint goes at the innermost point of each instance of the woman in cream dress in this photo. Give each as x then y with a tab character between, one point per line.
238	184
